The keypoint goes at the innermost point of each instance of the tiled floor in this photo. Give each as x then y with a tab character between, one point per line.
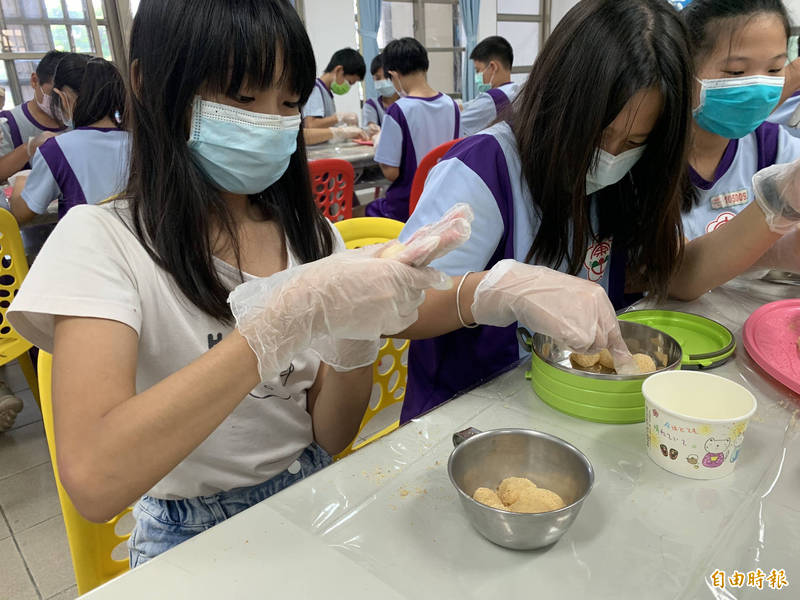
34	556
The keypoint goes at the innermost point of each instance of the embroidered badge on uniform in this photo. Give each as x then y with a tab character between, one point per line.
719	221
597	258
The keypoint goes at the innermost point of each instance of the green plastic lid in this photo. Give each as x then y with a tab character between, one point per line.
705	343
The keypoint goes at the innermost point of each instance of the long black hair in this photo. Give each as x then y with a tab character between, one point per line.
101	95
69	73
177	48
598	57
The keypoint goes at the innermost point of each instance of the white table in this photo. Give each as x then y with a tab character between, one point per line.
385	522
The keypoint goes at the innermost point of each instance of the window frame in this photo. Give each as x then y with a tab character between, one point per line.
110	20
542	17
419	30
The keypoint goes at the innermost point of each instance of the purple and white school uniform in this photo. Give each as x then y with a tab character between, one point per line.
373	112
320	102
19	125
484	170
83	166
731	189
481	112
411	128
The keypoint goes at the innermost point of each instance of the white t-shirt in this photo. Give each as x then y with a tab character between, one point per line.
92	265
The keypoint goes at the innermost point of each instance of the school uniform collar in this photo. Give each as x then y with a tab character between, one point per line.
29	115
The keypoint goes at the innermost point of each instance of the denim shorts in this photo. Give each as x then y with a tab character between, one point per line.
162	524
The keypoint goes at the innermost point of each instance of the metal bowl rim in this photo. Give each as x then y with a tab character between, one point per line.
535	433
609	377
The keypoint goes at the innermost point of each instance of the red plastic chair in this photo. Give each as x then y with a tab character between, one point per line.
428	162
332	184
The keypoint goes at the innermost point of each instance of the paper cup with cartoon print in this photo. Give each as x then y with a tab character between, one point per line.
696	422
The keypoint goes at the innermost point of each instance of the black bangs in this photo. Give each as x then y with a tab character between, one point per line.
262	38
220	44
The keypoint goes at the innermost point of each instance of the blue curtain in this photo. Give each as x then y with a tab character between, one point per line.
470	11
370	17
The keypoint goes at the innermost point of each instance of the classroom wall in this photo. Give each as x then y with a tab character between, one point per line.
330	25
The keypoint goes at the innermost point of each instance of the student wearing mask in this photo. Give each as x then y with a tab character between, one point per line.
346	68
90	163
375	108
604	203
204	353
740	60
418	122
493	58
22	126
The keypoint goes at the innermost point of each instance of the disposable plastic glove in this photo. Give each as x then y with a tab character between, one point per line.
434	240
347	118
777	191
427	244
784	254
347	133
573	311
298	308
373	129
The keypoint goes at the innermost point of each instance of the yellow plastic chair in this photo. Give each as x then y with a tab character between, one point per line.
13	268
90	544
388	372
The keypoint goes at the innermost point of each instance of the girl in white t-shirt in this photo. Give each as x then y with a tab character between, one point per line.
195	404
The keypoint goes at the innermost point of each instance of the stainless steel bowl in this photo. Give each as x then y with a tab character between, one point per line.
484	459
663	349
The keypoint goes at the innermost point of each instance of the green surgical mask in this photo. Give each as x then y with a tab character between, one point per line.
340	88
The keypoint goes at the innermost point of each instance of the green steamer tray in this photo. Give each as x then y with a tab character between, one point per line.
595	397
706	344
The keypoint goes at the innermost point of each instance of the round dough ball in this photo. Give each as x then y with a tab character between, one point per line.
605	359
393	250
511	487
644	363
582	361
488	497
537	500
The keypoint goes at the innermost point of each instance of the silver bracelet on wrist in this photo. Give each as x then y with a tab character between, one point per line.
458	302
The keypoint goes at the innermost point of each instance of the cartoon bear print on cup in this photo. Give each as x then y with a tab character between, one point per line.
716	452
737	446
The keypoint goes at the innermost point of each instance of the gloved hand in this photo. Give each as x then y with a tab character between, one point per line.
784	254
435	240
35	142
427	244
347	133
777	191
573	311
301	307
347	118
373	129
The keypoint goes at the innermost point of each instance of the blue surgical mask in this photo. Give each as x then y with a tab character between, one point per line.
240	151
385	88
609	169
480	86
735	106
